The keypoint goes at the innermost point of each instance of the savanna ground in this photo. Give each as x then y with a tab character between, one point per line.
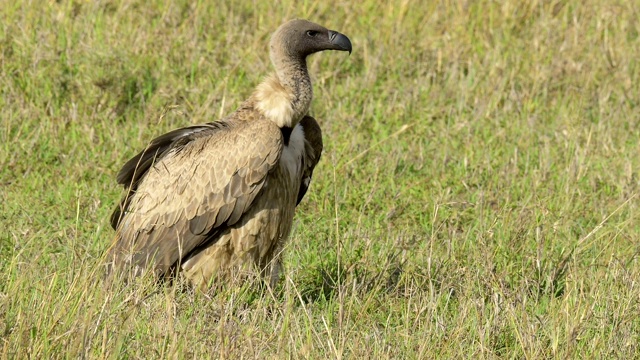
477	196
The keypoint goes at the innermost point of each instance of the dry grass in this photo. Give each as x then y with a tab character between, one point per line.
477	196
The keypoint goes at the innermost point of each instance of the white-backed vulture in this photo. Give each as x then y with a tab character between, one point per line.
213	198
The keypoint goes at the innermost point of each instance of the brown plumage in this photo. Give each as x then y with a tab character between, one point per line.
220	197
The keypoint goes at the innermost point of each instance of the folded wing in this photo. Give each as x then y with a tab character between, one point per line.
187	186
313	151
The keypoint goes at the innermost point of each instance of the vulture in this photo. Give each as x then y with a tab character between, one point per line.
218	199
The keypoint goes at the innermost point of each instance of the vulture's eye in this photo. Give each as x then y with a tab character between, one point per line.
312	33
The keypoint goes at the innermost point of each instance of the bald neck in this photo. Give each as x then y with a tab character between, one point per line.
285	96
293	75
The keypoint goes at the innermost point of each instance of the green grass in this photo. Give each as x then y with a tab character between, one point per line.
477	196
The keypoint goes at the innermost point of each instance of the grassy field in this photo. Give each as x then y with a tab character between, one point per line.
477	198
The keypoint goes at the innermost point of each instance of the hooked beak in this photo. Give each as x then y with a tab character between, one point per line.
340	41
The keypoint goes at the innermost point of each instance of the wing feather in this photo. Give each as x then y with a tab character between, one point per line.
313	151
136	168
138	165
192	191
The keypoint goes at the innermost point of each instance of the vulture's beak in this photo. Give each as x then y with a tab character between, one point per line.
340	41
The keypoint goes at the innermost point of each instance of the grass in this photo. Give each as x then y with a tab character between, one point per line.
477	196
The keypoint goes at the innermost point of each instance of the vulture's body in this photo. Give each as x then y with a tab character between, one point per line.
220	197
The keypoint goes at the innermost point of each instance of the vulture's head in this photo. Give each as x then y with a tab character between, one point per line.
300	38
